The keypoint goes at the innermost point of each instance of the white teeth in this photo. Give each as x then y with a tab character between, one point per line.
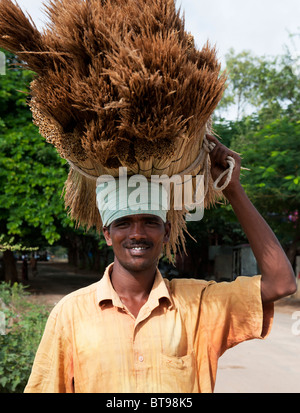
138	248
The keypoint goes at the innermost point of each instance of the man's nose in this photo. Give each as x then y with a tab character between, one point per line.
137	231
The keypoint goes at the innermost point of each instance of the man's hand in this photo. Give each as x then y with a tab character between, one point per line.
219	163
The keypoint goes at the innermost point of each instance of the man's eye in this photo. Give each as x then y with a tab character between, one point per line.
153	223
121	224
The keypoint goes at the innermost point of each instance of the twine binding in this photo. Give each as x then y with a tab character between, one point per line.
201	159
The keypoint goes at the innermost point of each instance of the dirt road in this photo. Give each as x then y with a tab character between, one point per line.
55	280
265	366
257	366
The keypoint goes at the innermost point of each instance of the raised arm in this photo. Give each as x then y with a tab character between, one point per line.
278	278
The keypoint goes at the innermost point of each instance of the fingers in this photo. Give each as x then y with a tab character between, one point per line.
212	138
219	154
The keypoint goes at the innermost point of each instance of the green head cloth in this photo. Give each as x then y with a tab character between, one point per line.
120	197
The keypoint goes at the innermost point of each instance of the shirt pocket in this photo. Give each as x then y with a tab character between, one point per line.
178	374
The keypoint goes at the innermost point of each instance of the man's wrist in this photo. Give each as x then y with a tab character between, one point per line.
233	190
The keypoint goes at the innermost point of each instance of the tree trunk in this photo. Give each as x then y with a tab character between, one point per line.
72	256
10	267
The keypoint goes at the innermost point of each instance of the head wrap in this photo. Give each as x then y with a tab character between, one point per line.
117	198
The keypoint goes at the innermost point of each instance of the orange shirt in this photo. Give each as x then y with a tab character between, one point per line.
93	344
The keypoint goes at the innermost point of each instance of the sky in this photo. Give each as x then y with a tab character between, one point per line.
261	26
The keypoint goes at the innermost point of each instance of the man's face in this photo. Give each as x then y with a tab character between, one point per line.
137	240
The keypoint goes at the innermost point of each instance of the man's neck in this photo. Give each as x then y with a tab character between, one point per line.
133	288
132	283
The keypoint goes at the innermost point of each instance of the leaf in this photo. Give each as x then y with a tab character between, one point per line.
275	153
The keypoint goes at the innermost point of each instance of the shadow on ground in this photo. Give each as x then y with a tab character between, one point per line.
55	280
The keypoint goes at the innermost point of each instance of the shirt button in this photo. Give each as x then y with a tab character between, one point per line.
141	358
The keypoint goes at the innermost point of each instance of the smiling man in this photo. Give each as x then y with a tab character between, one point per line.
134	331
137	243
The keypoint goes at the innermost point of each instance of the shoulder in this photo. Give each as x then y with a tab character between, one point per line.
189	283
187	289
79	299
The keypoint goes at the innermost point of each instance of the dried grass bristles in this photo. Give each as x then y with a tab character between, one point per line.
119	83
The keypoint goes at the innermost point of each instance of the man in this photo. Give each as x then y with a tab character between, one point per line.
134	331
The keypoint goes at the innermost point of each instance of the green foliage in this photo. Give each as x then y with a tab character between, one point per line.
31	178
25	323
32	175
265	85
268	139
10	245
218	226
272	154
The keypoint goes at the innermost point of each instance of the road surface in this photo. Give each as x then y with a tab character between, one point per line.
265	366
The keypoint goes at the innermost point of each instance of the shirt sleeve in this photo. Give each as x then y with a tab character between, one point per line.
52	370
232	312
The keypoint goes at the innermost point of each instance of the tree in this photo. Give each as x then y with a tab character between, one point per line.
266	92
32	177
273	155
31	172
266	85
8	247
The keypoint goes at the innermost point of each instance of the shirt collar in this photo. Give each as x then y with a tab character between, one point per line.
106	292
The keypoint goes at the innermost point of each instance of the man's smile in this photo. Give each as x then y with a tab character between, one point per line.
138	249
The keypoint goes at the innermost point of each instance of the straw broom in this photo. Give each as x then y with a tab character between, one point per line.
119	83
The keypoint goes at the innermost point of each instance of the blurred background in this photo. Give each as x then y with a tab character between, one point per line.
258	44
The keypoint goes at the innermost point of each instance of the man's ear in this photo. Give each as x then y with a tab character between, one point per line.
107	237
167	232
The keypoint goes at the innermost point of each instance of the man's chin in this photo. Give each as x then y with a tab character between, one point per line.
138	264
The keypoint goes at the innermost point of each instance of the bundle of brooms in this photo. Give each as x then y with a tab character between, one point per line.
118	83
